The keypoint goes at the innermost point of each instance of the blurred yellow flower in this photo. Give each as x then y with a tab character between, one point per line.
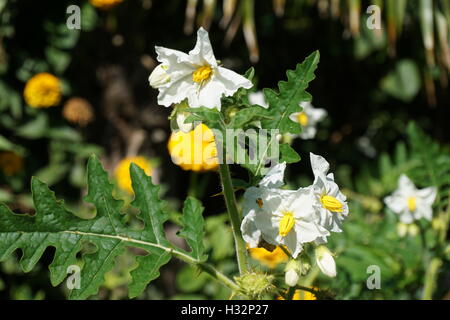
302	295
10	163
42	91
267	258
122	172
195	150
78	111
105	4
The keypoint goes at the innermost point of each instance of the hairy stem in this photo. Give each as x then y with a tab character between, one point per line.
233	213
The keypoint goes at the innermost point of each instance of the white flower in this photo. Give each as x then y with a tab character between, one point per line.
308	118
411	203
196	76
330	202
159	76
280	217
325	261
258	98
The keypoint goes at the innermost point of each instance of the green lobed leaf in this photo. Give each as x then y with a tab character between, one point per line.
288	154
247	115
53	225
193	227
290	93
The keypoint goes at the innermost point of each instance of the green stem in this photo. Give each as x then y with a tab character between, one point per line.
286	252
430	278
193	181
218	276
290	293
230	200
206	267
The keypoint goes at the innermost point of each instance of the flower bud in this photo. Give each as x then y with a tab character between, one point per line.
291	278
325	261
159	76
293	270
413	230
402	229
437	224
184	127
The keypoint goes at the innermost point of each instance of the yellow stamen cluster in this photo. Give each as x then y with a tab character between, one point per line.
303	119
42	91
286	223
195	150
331	203
78	111
202	74
122	171
105	4
412	205
10	163
267	258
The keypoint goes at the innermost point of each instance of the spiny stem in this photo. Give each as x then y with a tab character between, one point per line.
230	200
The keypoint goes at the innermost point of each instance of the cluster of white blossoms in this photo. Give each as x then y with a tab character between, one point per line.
195	76
411	204
292	218
308	118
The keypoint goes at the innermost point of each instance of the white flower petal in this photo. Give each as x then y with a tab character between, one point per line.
159	76
274	177
308	132
319	165
294	116
176	92
172	58
396	203
292	243
231	81
423	211
427	195
207	95
315	115
406	185
203	53
249	231
406	217
258	98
